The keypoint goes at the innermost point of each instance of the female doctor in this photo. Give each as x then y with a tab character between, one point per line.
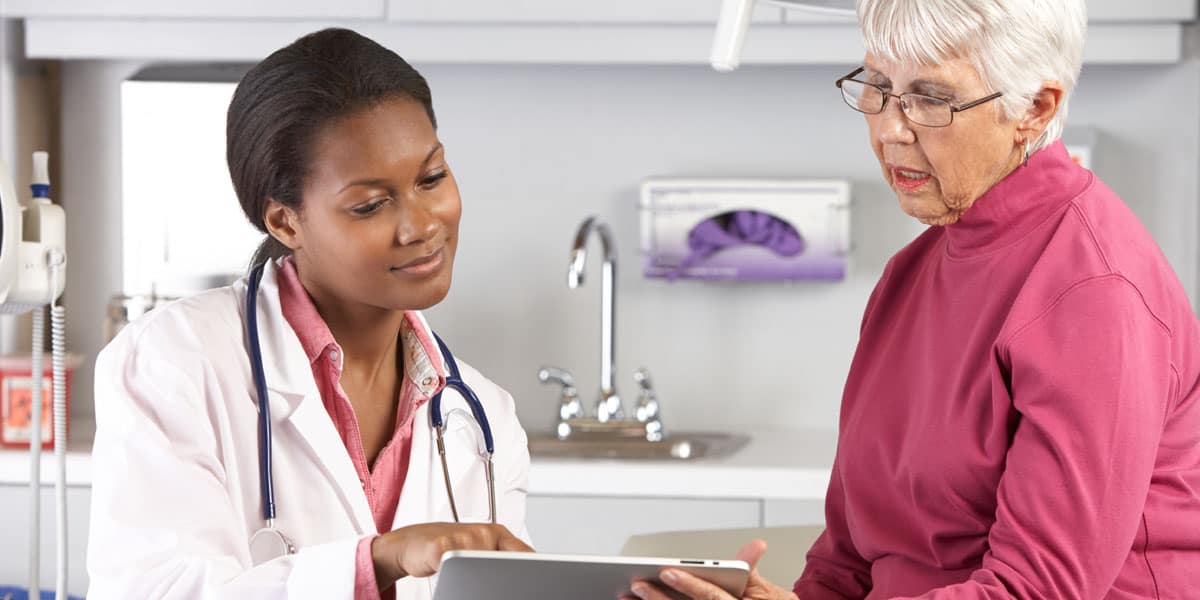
333	151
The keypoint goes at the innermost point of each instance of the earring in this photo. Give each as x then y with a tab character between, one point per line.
1026	161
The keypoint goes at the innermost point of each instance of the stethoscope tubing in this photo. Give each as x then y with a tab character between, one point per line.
453	381
265	471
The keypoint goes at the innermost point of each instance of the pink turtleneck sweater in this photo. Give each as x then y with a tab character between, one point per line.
1022	416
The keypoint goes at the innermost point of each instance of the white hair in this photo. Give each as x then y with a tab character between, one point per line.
1015	45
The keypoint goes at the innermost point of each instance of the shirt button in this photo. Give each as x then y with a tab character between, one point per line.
428	381
333	355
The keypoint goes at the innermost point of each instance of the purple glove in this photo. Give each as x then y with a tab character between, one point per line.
737	228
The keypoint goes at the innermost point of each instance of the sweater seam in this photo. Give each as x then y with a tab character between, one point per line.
1006	345
1087	225
1146	556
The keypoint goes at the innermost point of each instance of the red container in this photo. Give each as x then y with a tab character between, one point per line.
16	393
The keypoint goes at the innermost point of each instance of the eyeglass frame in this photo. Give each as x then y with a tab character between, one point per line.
887	95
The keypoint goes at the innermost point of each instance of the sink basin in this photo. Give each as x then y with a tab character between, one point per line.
675	446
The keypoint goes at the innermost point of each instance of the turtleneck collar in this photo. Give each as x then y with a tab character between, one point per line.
1018	203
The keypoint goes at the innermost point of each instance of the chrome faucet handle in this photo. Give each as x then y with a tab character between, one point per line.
569	406
648	411
608	407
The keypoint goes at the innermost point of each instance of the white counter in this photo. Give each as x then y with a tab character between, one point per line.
773	465
791	465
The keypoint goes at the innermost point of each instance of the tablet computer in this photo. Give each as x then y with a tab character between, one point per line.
471	575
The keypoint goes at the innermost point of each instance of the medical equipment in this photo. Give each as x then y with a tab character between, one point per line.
33	262
734	20
269	542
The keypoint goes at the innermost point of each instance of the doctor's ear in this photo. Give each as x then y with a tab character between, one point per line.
283	223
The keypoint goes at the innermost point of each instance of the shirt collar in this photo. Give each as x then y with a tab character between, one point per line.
423	363
1019	202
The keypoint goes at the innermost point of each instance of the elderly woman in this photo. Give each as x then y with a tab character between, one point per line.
1021	419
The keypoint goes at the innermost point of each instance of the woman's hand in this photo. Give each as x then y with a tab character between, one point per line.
417	549
698	589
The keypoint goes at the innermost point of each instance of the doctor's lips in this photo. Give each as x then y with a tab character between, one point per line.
908	180
425	265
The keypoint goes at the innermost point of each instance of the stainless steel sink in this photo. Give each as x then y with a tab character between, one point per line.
675	446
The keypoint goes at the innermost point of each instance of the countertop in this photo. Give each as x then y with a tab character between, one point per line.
775	464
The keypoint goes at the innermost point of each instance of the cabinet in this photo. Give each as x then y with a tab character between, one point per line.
518	31
196	9
599	525
14	522
557	11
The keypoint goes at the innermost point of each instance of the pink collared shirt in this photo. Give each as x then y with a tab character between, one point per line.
422	378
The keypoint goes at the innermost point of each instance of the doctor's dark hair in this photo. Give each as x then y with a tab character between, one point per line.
282	104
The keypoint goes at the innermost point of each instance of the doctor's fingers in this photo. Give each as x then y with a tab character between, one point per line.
417	549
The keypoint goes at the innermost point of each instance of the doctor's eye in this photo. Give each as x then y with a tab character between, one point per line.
433	180
370	207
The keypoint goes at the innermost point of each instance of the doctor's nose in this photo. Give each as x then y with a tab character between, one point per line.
418	223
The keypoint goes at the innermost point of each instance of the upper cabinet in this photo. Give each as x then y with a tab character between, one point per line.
559	11
195	9
516	31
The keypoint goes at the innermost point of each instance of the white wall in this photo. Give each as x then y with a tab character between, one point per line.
537	148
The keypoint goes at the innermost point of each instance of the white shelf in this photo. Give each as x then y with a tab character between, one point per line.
151	39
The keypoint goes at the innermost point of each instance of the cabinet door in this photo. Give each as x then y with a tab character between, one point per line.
14	550
557	11
783	513
592	525
212	9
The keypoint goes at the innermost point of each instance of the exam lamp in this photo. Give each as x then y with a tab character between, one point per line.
734	20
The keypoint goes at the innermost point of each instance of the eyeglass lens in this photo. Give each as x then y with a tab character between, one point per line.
925	110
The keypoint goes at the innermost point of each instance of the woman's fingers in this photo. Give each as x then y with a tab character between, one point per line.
692	586
752	552
644	590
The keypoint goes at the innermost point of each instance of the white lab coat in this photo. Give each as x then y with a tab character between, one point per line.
175	494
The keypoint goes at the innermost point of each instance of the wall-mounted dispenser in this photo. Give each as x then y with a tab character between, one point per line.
745	229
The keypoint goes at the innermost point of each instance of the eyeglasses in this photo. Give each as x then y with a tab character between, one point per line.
929	111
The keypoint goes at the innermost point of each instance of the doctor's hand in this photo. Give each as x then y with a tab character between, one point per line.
417	550
693	587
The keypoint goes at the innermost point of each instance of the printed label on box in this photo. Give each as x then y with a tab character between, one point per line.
16	409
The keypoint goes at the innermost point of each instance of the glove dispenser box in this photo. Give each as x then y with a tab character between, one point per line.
745	229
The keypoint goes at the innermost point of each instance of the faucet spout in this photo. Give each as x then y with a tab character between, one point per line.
608	406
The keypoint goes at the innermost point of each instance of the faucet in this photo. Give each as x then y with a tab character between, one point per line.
610	414
608	405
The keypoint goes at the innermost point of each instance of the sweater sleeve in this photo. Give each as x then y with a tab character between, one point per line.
1092	381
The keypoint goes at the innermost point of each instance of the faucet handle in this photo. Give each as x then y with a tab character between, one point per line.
556	375
569	405
647	406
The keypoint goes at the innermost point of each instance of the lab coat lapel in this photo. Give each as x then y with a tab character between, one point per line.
295	400
422	484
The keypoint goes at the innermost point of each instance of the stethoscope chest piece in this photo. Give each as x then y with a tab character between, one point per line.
268	544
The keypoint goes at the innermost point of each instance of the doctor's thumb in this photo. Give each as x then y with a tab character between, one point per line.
752	552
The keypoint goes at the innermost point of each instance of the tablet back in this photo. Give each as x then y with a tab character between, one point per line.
470	575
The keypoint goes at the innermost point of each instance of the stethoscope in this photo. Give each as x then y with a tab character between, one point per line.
269	542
